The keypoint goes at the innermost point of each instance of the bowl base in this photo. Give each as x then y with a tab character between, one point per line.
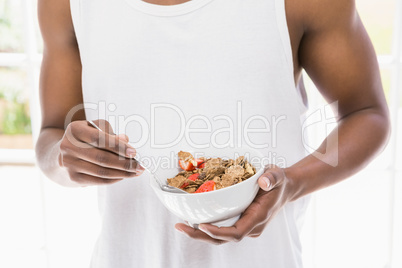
223	223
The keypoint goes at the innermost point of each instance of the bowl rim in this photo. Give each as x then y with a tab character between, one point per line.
154	187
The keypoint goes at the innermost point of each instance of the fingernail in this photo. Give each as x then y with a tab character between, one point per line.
140	168
267	182
130	152
202	227
180	230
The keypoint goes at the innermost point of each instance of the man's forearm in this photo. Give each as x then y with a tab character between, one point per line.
47	156
359	137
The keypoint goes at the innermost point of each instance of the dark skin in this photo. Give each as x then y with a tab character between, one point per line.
328	40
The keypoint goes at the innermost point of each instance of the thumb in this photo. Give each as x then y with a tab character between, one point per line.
269	179
266	181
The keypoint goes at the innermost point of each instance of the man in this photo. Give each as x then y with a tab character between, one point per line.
174	74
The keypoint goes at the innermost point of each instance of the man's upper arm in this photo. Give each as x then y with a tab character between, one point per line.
338	55
60	80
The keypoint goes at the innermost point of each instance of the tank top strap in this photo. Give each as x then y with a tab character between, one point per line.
167	10
286	44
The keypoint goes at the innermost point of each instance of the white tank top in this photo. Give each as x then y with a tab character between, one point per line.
222	66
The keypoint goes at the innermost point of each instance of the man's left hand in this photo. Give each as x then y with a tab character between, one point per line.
275	191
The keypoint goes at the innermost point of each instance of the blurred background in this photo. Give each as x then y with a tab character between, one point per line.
357	223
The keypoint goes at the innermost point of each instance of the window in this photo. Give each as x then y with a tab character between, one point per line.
19	72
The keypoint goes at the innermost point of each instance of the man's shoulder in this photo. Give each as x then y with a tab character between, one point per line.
56	23
313	15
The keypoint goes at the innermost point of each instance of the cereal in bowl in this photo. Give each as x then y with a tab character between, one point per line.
208	174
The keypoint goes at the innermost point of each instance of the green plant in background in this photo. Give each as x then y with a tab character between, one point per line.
15	117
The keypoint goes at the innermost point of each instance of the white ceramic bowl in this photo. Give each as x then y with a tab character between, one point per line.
220	207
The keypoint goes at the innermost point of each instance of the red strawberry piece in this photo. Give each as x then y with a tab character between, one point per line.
185	165
200	162
206	187
193	177
184	185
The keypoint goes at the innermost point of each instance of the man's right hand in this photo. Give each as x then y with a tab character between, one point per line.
93	157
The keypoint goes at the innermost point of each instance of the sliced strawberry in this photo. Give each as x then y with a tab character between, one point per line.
206	187
200	162
185	165
193	177
184	185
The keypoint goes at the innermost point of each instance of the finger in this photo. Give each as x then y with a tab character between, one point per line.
94	170
257	231
104	125
197	234
105	159
250	218
60	160
139	170
123	137
88	180
109	142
